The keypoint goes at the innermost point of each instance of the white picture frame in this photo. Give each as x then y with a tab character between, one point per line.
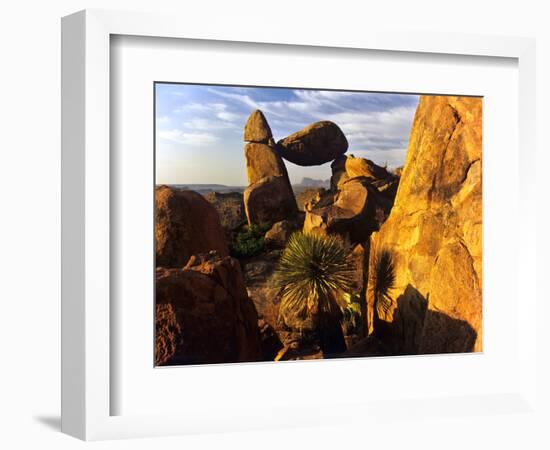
86	242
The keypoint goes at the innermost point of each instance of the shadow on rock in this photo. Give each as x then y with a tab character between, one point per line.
416	329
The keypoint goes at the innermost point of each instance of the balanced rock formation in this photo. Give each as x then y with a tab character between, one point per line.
204	315
185	224
269	197
353	211
434	232
316	144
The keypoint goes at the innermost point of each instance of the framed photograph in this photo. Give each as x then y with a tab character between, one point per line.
253	225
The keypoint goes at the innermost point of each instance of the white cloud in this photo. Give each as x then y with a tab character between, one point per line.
242	98
230	116
180	137
207	124
162	120
207	107
376	130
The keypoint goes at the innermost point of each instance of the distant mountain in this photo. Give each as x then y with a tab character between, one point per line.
313	183
205	188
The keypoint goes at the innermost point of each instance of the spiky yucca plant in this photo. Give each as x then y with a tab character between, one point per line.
381	281
314	274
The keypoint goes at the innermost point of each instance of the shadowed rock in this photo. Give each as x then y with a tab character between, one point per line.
185	224
204	315
316	144
354	211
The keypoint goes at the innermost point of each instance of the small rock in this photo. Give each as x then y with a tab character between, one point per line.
278	235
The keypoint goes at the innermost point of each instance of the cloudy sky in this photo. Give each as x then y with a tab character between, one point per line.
199	129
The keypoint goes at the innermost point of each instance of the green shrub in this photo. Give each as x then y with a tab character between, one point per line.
249	241
314	274
352	314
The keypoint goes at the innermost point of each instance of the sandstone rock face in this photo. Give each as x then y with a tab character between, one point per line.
316	144
185	224
168	334
269	200
204	315
363	167
339	174
257	129
262	161
434	230
354	211
347	167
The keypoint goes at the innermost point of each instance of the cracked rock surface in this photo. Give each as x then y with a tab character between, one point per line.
434	231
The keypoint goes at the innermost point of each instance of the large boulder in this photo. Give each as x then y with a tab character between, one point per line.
185	224
434	230
204	315
316	144
354	211
257	129
269	200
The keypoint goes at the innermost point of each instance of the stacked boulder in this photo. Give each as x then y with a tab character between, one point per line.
269	197
359	201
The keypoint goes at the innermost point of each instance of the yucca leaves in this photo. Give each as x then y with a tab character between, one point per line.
314	273
382	278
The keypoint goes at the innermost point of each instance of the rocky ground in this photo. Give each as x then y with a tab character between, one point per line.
217	303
